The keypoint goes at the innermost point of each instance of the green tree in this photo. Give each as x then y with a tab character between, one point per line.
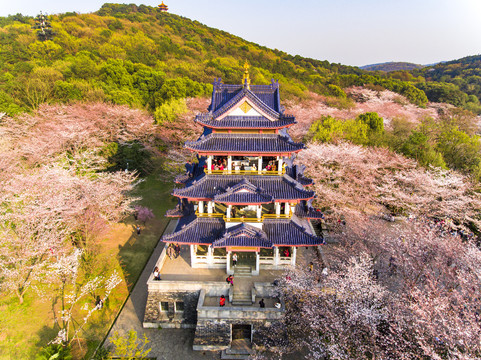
38	87
417	146
460	151
326	129
169	111
336	91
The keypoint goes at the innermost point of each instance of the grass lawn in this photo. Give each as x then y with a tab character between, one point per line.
25	328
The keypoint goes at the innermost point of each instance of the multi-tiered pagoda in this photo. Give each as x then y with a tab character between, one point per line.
244	195
163	7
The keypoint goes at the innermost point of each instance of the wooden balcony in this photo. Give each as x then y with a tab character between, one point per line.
245	219
245	172
214	215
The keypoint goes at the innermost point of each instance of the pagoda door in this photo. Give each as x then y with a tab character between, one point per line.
246	258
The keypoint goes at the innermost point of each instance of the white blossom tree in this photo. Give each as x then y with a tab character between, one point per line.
74	291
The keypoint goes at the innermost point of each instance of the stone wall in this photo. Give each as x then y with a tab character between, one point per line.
171	319
172	291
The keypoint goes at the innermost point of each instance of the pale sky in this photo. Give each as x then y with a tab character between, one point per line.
351	32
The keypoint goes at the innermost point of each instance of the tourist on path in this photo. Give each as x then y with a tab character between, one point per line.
262	303
234	259
99	303
138	229
230	280
177	250
156	273
222	300
170	251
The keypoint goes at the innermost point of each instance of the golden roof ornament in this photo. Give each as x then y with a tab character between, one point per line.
246	80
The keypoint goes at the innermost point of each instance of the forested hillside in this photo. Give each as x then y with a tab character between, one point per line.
392	66
135	55
457	82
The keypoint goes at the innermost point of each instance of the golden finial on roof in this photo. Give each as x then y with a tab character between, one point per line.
246	80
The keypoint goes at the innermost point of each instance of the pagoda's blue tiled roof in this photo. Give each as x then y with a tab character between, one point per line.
223	97
285	232
253	98
305	181
211	231
182	179
279	187
199	231
304	211
244	143
244	122
183	208
243	235
243	192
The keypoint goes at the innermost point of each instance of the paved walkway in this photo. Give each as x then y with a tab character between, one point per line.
172	344
166	344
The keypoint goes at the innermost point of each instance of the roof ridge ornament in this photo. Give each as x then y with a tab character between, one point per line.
246	80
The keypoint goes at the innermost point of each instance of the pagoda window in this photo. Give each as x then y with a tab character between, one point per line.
164	306
268	209
239	211
219	163
266	252
269	163
221	252
285	251
179	306
201	250
219	208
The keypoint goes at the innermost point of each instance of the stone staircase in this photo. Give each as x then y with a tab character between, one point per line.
242	291
241	297
317	226
230	354
242	271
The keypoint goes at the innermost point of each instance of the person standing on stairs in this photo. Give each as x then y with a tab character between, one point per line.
234	259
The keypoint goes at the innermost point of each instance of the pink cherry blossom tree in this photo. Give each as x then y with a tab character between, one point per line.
352	180
143	213
393	291
42	211
399	289
54	191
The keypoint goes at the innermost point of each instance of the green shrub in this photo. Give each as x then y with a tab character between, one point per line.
336	91
54	352
169	111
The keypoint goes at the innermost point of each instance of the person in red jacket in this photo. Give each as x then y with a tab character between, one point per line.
222	300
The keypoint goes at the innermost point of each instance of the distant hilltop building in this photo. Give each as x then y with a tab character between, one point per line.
244	211
163	7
